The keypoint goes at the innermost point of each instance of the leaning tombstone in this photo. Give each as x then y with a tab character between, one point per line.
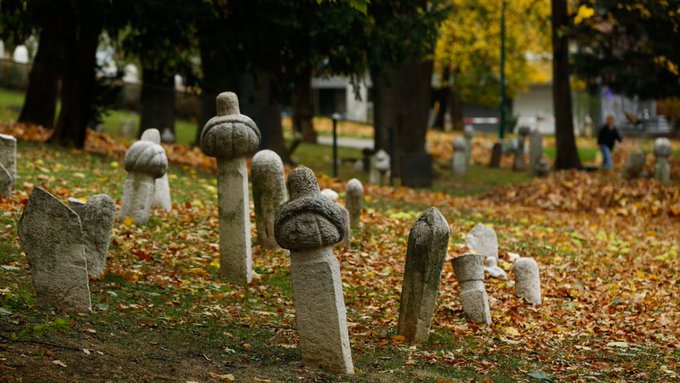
354	199
51	235
482	240
535	151
427	245
459	162
8	163
269	192
161	195
496	155
230	136
96	216
308	225
144	162
468	133
519	162
469	272
527	280
662	150
634	166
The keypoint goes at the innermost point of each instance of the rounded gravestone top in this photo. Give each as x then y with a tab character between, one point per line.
309	220
662	147
151	135
459	144
524	130
146	157
267	161
354	187
382	161
525	263
229	134
469	131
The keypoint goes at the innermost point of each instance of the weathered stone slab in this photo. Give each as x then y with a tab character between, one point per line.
469	272
52	237
496	155
229	137
6	182
96	216
662	150
354	200
269	192
309	225
527	280
482	240
427	246
519	162
144	162
634	166
8	164
535	151
459	161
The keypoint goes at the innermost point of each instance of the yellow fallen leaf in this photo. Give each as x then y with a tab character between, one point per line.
511	331
128	221
59	363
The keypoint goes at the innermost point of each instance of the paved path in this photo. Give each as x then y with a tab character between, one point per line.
347	142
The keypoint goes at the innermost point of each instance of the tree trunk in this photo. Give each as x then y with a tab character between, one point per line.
78	83
158	100
303	108
567	154
402	105
441	95
456	109
40	103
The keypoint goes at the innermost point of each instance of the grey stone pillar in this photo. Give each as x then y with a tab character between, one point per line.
354	200
459	161
161	195
230	136
269	192
662	150
527	280
309	225
427	246
144	162
469	272
468	133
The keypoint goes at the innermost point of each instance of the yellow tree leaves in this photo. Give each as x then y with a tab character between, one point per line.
469	44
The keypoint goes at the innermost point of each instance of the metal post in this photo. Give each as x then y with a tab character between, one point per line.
501	123
335	118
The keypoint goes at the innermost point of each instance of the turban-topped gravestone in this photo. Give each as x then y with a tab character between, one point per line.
230	136
269	192
144	162
161	194
308	225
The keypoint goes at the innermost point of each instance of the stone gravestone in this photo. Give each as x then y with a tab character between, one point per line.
527	280
662	150
459	161
380	168
161	195
535	150
496	155
269	192
519	162
469	272
230	136
468	133
416	170
634	166
52	237
354	199
144	162
482	240
308	225
8	164
427	246
96	216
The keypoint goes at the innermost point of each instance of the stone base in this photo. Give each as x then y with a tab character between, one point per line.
320	310
161	195
137	196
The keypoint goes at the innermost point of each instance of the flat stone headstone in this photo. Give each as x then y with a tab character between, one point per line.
308	225
52	237
527	280
354	200
662	150
483	240
269	192
96	216
469	270
416	170
6	182
634	166
427	246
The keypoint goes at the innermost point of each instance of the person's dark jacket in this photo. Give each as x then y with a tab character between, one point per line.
607	136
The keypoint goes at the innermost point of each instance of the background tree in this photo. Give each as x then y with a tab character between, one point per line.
567	155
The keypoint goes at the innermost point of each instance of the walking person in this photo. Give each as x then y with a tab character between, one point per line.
606	140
